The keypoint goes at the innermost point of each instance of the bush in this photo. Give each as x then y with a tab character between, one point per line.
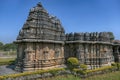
52	71
103	69
116	65
55	71
72	63
78	71
82	70
83	67
113	64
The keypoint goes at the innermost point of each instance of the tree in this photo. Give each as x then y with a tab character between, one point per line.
10	46
1	46
111	36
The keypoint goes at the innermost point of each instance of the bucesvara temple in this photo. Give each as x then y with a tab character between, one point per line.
43	43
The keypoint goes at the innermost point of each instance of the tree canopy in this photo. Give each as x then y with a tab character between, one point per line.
8	46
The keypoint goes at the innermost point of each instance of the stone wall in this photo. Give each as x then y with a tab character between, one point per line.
40	55
94	55
116	50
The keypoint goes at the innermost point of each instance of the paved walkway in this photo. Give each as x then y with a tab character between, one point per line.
6	70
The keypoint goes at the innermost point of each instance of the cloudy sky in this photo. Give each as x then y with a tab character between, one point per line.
75	15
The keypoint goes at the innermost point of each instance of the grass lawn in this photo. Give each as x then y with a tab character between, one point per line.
66	77
6	61
108	76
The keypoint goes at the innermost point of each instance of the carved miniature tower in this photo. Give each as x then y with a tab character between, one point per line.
40	41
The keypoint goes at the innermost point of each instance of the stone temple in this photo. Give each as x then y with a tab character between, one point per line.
43	43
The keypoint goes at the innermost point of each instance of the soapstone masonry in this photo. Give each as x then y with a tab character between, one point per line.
42	44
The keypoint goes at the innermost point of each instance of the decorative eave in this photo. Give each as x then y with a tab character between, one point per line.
39	41
116	44
89	42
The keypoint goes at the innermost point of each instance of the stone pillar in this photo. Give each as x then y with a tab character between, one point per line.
62	51
81	52
92	56
84	45
37	51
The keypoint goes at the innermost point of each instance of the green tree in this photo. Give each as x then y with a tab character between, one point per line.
1	46
10	46
111	35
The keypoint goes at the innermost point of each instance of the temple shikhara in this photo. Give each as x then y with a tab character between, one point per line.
43	43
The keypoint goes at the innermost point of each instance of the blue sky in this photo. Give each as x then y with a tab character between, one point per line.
75	15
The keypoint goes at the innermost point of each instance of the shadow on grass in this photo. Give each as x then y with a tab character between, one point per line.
11	64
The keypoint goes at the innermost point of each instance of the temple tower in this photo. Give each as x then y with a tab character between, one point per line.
40	41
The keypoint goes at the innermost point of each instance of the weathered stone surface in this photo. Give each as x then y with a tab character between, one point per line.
41	25
94	36
116	50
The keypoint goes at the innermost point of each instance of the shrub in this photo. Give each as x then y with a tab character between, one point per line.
82	70
85	71
116	65
83	67
78	71
2	78
103	69
54	71
113	64
72	63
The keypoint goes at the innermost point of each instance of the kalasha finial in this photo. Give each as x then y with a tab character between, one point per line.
39	4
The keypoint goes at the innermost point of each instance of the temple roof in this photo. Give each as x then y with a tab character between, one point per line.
41	26
93	36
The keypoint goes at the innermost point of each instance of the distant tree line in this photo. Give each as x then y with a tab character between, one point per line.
8	47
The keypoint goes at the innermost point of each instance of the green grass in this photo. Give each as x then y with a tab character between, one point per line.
6	61
66	77
108	76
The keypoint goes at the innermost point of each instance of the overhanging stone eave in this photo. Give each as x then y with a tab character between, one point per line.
89	42
116	44
38	41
